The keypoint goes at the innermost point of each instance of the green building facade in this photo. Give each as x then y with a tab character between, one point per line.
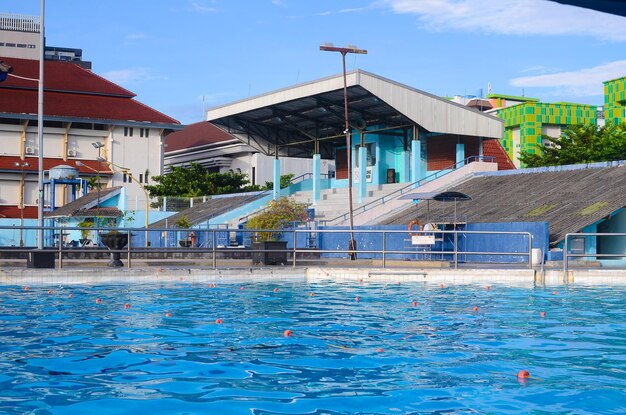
525	123
615	100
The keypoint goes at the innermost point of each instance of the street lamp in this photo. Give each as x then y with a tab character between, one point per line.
126	171
21	165
344	52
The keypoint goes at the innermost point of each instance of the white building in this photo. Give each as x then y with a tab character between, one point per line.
220	152
85	117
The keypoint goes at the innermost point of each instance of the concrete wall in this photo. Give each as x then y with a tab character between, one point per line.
611	244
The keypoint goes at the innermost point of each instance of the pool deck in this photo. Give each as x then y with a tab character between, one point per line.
340	272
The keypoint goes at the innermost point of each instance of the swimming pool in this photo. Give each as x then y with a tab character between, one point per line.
396	349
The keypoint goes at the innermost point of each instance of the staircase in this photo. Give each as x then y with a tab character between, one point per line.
334	202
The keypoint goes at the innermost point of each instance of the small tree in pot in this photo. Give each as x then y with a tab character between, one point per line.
278	215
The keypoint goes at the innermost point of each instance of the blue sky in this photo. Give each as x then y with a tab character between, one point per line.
185	55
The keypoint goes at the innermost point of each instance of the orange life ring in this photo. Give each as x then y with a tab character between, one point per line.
419	225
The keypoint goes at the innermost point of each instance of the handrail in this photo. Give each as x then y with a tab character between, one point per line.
567	254
399	192
453	251
295	180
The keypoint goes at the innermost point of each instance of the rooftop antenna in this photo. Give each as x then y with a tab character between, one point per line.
488	88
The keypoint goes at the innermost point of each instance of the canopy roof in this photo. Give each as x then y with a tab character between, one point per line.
300	118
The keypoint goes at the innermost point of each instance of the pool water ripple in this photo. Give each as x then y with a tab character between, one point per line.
166	354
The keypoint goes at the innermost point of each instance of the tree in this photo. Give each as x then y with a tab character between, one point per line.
194	180
580	144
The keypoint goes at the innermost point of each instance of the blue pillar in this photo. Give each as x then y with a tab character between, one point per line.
416	161
404	167
317	169
276	191
362	172
460	154
353	156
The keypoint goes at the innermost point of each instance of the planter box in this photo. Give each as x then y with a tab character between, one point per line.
278	257
40	259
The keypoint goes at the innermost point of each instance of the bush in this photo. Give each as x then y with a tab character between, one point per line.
279	214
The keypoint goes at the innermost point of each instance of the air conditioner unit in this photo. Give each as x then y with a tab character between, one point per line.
71	153
29	150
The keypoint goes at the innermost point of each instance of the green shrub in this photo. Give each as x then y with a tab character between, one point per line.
279	214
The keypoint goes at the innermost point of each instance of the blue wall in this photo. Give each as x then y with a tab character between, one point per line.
504	243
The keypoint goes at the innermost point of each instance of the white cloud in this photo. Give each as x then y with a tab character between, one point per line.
201	7
127	76
582	82
330	12
279	3
513	17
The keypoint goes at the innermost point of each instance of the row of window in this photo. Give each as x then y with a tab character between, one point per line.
143	132
18	45
128	178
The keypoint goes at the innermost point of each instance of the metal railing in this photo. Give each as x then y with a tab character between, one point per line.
402	249
409	187
567	255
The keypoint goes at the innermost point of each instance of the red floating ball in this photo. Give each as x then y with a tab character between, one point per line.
26	288
168	314
380	350
523	374
126	306
287	333
488	287
414	303
357	299
71	296
49	291
542	314
218	321
211	285
312	294
98	301
275	290
475	308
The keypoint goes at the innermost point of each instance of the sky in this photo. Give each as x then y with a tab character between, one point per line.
182	57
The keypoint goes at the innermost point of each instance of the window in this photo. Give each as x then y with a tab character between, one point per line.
128	131
146	177
124	178
144	132
140	178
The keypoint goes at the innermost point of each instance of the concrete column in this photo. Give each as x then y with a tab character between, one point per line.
362	173
353	156
317	169
404	167
416	161
460	153
276	190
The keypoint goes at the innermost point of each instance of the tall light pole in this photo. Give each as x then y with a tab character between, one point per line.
21	165
99	146
344	52
40	201
126	171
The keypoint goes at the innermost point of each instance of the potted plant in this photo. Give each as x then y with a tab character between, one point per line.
183	223
85	232
114	240
279	214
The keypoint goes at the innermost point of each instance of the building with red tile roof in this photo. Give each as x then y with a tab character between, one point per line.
86	117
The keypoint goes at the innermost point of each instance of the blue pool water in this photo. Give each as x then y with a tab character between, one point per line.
62	355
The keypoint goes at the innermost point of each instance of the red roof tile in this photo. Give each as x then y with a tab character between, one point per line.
72	92
61	76
195	135
30	212
94	107
493	148
7	163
